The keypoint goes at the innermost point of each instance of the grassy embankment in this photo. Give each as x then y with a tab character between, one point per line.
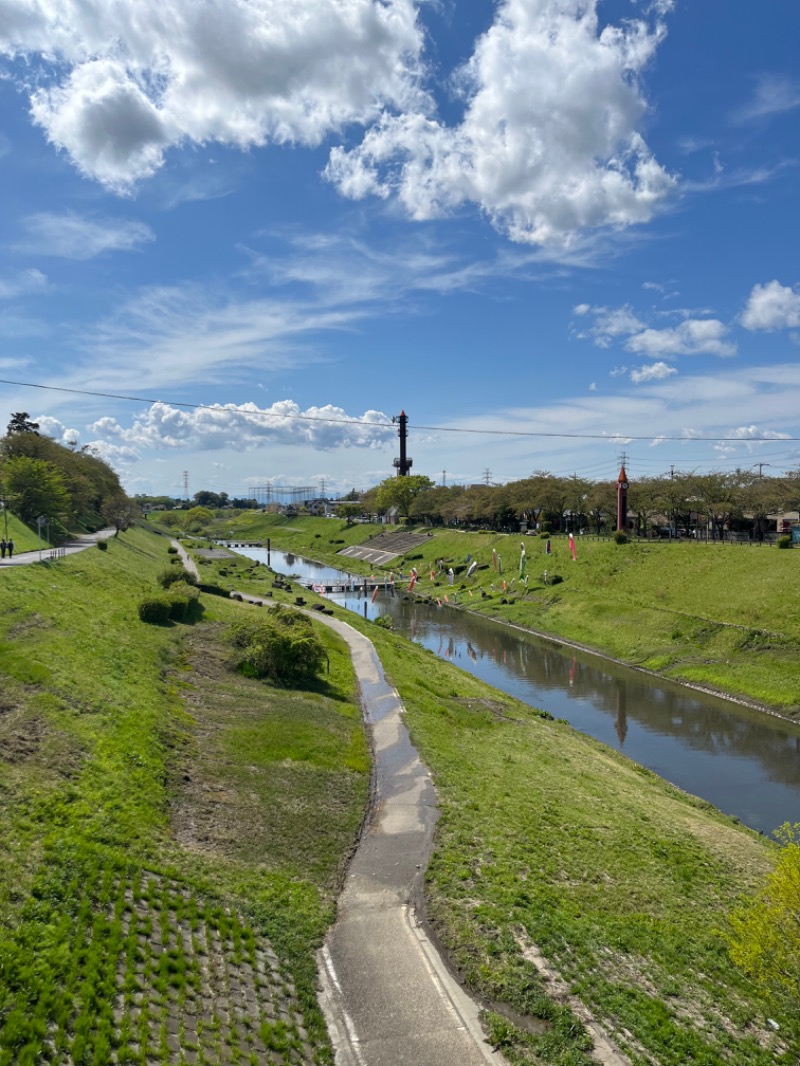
622	882
726	617
172	833
25	540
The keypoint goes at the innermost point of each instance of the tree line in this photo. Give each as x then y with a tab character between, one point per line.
71	487
717	501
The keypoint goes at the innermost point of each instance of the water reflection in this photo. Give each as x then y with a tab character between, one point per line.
744	762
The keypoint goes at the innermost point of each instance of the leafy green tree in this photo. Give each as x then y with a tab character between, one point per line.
119	511
399	492
35	488
764	934
349	511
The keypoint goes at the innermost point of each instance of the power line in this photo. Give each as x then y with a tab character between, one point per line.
610	437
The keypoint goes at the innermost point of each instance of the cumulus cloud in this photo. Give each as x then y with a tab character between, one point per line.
118	84
607	323
772	306
692	337
53	427
655	372
549	144
246	426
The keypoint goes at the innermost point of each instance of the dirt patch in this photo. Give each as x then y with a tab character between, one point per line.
24	742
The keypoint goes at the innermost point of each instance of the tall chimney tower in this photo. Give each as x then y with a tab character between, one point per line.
403	464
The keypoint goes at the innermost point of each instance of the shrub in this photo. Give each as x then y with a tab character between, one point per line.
620	537
784	542
173	574
172	550
154	609
281	647
102	545
184	601
384	621
556	579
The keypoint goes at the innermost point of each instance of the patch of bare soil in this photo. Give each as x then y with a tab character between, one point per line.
24	741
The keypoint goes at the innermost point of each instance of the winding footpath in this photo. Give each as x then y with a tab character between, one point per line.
47	554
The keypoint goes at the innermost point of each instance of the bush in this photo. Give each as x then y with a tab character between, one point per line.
173	574
784	542
102	545
184	601
281	647
154	609
172	550
556	579
620	537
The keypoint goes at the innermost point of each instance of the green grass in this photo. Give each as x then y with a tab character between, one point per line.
622	882
114	737
722	616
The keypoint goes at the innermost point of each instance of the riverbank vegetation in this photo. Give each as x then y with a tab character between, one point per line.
170	828
564	874
172	832
725	617
71	489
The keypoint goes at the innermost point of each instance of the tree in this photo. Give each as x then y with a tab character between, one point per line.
36	487
120	512
349	511
20	423
400	491
764	934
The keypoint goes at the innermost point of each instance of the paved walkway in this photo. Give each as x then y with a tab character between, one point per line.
388	997
78	544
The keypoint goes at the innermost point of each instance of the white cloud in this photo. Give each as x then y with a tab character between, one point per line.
118	84
25	282
655	372
246	426
549	144
774	94
74	236
772	306
609	323
53	427
692	337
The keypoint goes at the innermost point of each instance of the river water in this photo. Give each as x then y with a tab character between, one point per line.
744	762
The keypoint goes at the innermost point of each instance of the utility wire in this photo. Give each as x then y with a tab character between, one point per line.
621	437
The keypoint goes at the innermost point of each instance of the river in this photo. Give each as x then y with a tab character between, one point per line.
744	762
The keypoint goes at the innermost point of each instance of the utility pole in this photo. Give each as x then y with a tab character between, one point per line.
444	477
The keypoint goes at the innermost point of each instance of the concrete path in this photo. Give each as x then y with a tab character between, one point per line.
388	997
78	544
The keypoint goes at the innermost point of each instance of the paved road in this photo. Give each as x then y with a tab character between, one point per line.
388	997
78	544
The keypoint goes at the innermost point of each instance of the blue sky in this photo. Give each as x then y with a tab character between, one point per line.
552	231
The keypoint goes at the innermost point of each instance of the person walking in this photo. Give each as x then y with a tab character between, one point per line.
10	547
2	549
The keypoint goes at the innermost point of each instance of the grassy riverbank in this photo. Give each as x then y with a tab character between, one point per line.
172	834
725	617
554	848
